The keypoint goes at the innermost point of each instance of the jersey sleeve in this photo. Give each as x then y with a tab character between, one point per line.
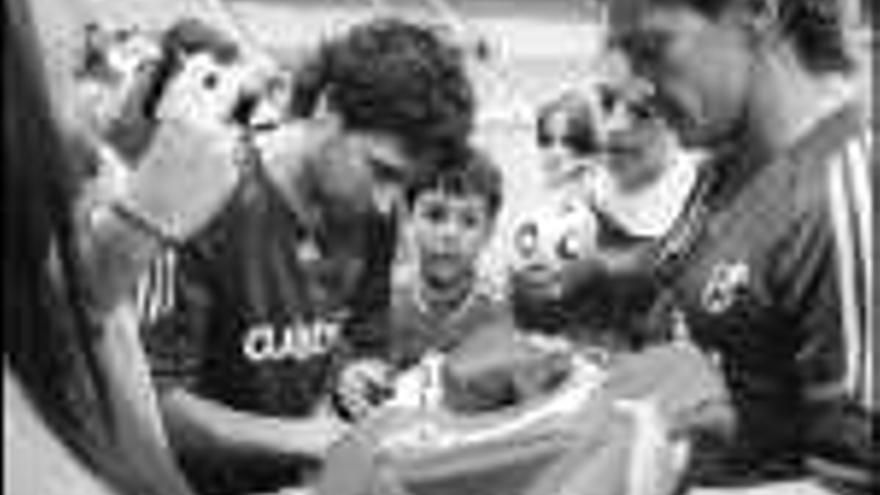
824	275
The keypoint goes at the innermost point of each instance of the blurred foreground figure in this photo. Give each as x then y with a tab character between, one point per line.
771	266
569	134
78	404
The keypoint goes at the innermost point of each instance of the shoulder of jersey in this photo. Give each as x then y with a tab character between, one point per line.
840	146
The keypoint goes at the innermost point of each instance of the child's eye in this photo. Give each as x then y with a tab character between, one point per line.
642	110
526	239
546	141
435	214
470	220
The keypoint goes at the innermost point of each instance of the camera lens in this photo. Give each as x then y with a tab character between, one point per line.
244	109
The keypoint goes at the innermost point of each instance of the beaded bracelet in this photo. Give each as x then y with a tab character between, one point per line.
142	224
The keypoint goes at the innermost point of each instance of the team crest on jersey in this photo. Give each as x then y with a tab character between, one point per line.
725	281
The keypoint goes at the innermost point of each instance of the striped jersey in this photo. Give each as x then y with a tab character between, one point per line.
777	284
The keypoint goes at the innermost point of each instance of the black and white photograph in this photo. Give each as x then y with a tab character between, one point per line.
439	247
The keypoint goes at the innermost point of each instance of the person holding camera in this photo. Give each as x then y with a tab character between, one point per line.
274	297
81	411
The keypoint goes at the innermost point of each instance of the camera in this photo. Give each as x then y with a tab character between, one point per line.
143	65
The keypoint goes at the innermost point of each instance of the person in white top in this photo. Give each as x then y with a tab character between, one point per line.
608	155
649	176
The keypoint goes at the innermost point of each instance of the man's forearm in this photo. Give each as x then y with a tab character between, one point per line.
113	257
198	424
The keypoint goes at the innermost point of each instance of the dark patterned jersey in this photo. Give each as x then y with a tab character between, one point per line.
777	283
265	308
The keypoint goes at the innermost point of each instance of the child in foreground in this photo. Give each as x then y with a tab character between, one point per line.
450	213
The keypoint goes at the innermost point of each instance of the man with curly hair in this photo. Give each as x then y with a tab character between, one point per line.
273	298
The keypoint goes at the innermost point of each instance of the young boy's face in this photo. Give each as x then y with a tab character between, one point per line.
449	230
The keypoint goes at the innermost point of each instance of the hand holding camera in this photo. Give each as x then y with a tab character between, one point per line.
192	162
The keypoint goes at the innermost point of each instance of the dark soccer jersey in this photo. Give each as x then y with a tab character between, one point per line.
777	284
265	312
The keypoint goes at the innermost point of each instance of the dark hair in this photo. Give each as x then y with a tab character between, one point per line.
473	173
395	76
815	27
581	125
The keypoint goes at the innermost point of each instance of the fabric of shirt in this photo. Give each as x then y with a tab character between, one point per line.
776	281
416	328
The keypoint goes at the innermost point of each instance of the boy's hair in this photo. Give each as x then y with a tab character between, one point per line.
582	127
472	173
393	76
815	27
